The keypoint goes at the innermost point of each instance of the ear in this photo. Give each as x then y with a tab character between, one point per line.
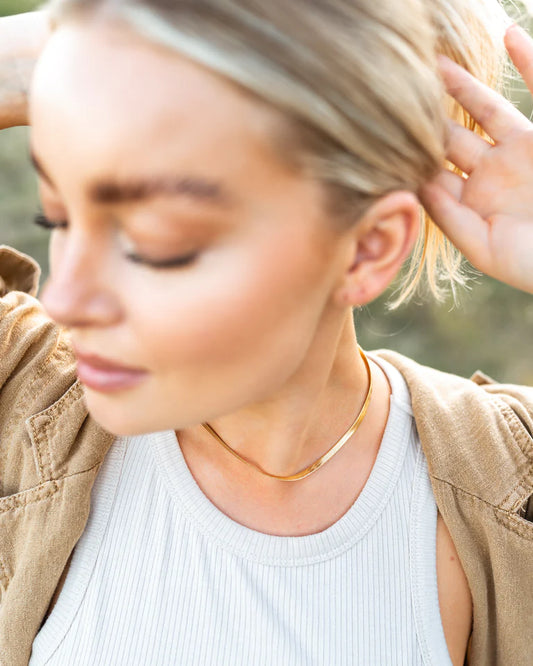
381	241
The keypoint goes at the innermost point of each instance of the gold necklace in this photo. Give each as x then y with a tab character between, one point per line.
323	459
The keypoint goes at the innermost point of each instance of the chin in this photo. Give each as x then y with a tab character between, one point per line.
124	418
119	427
117	417
135	412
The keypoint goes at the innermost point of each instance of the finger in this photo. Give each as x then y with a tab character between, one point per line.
498	117
465	148
451	182
464	227
520	48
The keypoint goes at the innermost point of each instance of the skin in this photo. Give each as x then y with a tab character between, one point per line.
22	38
257	335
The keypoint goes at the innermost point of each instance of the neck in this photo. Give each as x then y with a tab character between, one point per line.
301	422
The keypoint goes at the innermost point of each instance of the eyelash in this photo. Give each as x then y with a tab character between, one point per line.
186	260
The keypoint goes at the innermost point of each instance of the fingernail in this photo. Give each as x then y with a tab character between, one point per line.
516	29
443	59
447	65
443	64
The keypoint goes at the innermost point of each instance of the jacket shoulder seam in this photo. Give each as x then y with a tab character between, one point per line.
507	518
462	490
497	507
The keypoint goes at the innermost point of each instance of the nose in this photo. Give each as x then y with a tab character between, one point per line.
77	293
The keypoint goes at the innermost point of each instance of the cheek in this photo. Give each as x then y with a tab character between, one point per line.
224	334
55	250
247	312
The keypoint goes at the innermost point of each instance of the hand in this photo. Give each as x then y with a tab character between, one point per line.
488	215
22	38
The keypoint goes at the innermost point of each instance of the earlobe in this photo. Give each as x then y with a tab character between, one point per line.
382	240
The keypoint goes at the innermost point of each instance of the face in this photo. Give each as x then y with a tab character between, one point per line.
147	158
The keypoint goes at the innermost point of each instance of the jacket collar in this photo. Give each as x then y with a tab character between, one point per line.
57	431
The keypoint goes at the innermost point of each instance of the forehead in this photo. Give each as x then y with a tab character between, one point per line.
103	97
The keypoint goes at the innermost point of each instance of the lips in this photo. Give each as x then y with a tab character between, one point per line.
107	375
103	363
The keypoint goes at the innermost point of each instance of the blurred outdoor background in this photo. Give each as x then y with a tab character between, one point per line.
490	328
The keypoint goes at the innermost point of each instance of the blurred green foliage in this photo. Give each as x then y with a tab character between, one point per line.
19	200
491	328
8	7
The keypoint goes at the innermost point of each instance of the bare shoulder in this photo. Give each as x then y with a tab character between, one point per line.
455	599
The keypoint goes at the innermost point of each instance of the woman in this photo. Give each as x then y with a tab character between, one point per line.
223	476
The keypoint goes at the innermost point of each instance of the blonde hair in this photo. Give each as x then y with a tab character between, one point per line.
356	81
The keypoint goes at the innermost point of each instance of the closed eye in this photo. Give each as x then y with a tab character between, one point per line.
42	221
174	262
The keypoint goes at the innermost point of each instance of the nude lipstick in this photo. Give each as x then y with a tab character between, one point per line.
104	375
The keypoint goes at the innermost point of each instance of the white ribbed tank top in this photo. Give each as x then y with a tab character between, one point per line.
161	576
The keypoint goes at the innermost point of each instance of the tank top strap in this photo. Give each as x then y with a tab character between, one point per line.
400	392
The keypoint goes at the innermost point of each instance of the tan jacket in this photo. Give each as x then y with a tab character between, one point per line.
476	435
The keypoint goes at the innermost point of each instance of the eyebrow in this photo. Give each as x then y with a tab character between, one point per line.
140	189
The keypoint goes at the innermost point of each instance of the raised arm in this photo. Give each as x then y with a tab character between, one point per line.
21	39
488	214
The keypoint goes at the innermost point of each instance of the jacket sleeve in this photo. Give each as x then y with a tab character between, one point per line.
26	333
35	367
520	400
18	272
